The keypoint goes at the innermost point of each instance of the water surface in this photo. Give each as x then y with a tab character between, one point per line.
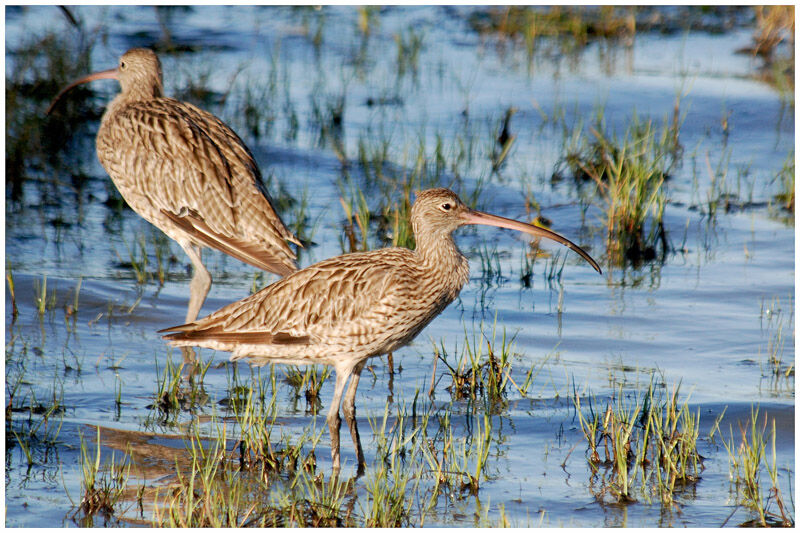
704	319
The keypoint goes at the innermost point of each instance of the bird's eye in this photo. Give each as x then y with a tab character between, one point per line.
122	65
446	206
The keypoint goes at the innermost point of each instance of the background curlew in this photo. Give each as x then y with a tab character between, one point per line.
346	309
183	170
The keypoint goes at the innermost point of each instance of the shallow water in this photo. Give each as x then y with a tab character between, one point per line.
703	320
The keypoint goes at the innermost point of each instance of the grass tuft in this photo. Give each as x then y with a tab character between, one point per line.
748	459
628	175
103	488
481	369
643	447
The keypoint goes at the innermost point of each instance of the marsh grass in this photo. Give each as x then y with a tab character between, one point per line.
192	83
468	456
785	177
37	434
11	292
261	106
409	44
776	318
103	487
71	309
388	483
39	67
179	388
206	495
309	380
491	270
138	260
293	210
628	175
368	19
748	459
482	368
773	44
504	140
357	215
243	469
43	300
299	220
249	483
377	188
149	257
642	447
327	120
575	26
421	458
728	190
163	255
718	197
237	472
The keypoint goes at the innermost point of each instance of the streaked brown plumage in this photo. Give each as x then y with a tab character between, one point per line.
346	309
186	172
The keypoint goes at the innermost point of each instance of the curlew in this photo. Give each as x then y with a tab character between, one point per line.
346	309
186	172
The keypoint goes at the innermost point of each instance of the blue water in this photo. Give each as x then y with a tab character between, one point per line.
697	320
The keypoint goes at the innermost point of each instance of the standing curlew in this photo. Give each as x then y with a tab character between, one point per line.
346	309
183	170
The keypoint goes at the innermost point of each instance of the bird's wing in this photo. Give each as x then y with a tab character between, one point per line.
179	162
250	177
349	293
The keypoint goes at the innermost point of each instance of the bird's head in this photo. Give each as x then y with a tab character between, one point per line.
438	212
138	73
140	70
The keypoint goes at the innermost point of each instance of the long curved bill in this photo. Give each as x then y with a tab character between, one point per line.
111	74
485	219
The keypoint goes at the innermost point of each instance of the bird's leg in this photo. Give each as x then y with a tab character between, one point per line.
189	362
201	281
349	410
334	422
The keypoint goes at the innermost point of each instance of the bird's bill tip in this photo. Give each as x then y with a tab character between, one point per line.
485	219
111	74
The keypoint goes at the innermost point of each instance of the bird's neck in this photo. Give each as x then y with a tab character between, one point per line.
114	106
133	95
439	254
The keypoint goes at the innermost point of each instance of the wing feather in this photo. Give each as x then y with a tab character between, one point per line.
345	294
167	156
